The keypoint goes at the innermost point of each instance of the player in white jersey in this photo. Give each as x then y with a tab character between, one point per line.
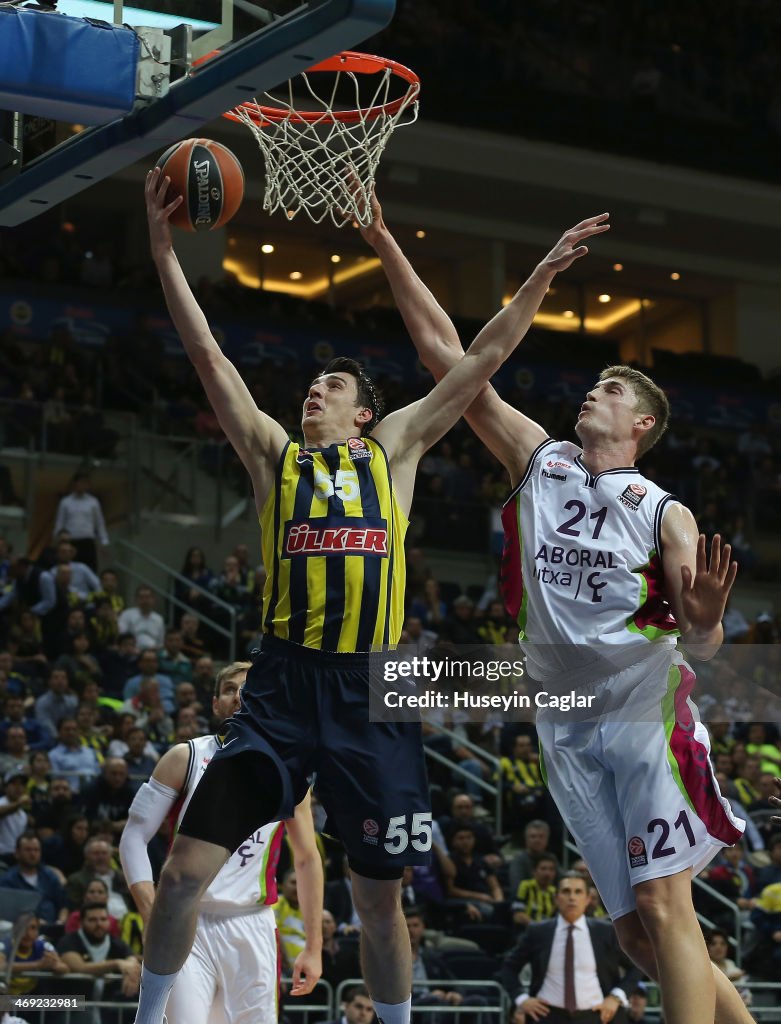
604	571
231	974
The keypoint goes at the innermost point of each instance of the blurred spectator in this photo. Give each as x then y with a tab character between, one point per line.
428	606
13	813
340	957
140	765
96	893
65	849
474	882
90	733
193	644
717	942
38	737
30	875
536	837
198	577
521	781
203	680
98	864
118	745
69	758
80	513
143	621
759	744
103	625
428	964
14	755
460	627
87	952
462	815
290	921
172	661
535	898
357	1007
109	587
147	707
109	797
415	636
148	669
764	959
770	874
120	664
78	661
83	581
638	1002
747	781
52	814
34	953
57	702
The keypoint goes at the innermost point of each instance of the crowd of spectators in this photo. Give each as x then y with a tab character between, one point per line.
95	688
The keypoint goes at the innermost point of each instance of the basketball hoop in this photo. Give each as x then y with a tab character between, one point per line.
323	160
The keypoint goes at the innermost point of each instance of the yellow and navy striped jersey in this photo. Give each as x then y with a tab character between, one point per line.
333	548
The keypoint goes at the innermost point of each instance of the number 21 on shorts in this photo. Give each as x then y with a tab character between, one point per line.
398	837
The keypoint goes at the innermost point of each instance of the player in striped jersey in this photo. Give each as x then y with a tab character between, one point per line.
333	514
232	971
603	571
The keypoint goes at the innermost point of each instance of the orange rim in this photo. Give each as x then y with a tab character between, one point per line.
358	63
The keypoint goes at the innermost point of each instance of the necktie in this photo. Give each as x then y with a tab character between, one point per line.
570	1002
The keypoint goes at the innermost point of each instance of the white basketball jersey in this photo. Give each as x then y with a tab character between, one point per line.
582	562
248	879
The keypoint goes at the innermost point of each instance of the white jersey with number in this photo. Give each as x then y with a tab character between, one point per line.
248	879
582	569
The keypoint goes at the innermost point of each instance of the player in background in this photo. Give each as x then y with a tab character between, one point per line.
642	577
232	972
333	515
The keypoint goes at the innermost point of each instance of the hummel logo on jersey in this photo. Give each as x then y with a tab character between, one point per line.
554	476
632	495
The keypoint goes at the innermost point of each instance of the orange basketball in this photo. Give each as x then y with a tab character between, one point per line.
209	177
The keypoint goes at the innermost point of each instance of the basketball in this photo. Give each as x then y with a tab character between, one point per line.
209	177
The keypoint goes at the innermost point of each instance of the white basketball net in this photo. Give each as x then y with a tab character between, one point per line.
326	166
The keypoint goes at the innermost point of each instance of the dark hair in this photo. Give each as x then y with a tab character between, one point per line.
414	912
26	837
368	396
354	992
86	907
552	859
714	933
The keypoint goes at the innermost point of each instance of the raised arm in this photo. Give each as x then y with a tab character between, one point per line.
408	433
509	434
696	587
309	879
257	439
151	806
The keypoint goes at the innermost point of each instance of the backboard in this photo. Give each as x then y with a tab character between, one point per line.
260	47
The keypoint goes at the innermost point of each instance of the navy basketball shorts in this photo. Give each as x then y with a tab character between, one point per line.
305	711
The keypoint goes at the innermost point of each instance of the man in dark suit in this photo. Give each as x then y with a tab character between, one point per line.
576	965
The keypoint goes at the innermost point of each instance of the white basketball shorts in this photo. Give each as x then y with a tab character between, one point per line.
635	785
231	974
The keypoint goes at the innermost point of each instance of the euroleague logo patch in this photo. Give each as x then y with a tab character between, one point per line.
370	832
638	858
358	448
632	495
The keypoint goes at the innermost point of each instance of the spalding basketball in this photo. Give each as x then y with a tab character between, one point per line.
209	177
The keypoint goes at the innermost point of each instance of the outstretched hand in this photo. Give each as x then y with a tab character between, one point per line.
569	247
704	594
158	210
306	972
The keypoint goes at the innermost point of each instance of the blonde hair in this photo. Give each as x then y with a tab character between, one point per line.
650	399
229	672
